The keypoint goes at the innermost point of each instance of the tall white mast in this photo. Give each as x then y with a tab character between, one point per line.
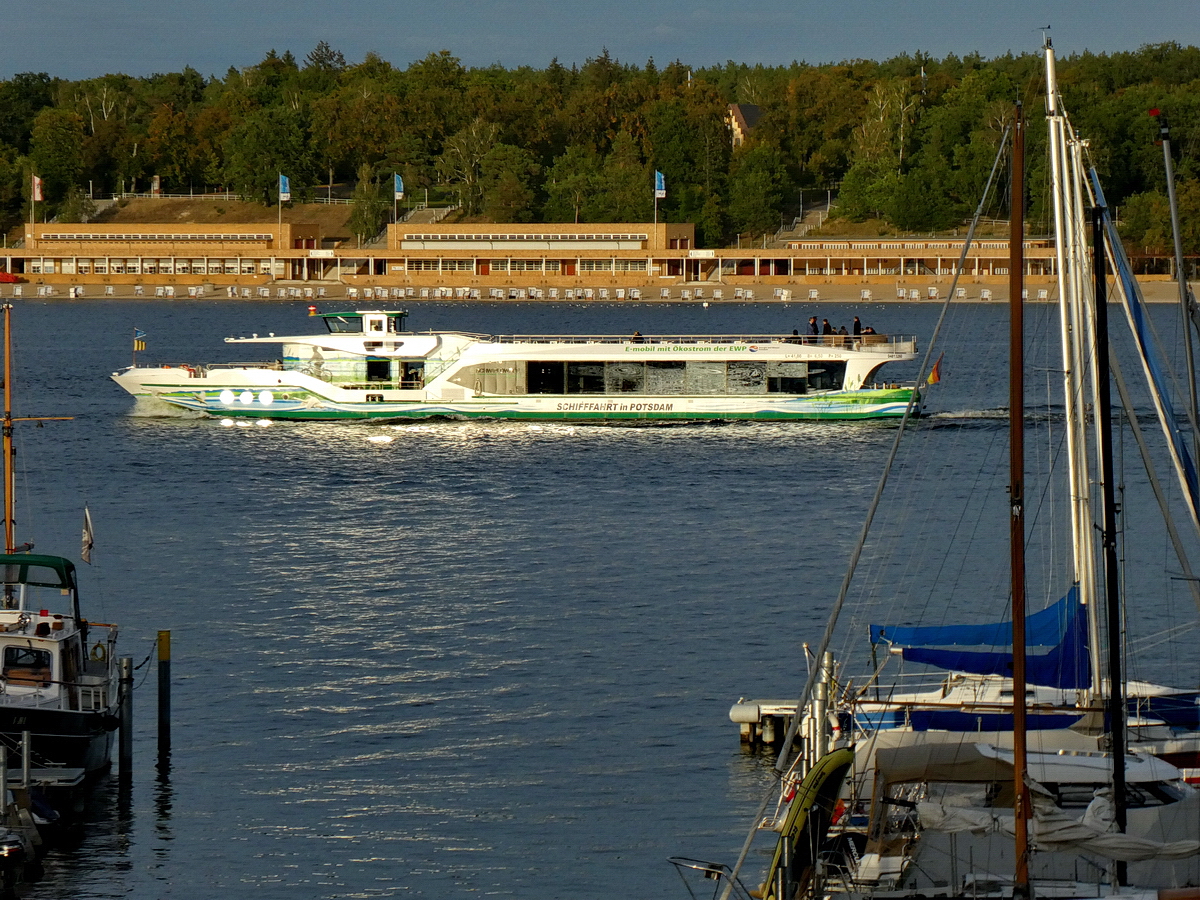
1074	286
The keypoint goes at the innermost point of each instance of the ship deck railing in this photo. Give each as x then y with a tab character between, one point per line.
259	364
838	341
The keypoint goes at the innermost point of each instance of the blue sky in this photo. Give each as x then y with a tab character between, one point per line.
85	38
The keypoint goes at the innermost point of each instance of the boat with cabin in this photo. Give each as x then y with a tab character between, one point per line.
366	366
59	679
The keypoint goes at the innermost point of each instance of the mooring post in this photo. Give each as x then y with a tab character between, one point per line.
126	746
164	697
26	763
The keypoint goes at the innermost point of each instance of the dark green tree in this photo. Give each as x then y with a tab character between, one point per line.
506	180
55	151
371	208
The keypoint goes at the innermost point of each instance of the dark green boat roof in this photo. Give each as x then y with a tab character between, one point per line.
36	570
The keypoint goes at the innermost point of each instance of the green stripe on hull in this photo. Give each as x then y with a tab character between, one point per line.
333	416
817	410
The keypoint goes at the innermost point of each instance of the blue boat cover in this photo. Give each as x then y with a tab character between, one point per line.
1042	629
1064	666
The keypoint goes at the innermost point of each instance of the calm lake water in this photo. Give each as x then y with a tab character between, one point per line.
445	658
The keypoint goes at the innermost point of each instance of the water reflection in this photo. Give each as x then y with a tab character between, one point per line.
479	656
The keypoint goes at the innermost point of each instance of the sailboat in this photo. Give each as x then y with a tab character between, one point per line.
961	816
959	803
59	688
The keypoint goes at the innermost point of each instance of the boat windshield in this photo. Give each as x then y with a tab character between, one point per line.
344	324
26	665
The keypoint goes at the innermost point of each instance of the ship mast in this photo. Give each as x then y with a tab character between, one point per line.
10	452
1016	423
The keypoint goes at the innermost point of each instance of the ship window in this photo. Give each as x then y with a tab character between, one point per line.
379	369
585	378
747	377
546	377
624	378
344	324
27	665
412	374
826	375
705	377
787	377
666	377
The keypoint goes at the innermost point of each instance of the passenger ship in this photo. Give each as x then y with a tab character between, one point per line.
367	366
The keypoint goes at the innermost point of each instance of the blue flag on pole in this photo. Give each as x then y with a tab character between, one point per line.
398	186
138	333
285	188
660	186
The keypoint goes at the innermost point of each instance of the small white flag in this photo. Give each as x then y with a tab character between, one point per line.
37	189
86	553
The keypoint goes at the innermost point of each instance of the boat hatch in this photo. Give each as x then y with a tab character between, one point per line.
27	666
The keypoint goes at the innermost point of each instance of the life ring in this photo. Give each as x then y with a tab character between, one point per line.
99	652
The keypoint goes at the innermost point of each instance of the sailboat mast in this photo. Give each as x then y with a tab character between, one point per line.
1071	253
1116	695
8	449
1016	423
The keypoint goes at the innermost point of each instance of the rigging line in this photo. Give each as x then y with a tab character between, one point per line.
1179	389
1152	473
1143	647
1166	633
1190	409
827	637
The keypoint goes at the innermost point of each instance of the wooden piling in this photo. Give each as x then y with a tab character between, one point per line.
164	697
26	762
126	746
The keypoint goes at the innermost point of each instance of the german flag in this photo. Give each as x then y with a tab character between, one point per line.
935	374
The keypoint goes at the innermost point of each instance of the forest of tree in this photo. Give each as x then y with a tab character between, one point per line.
908	141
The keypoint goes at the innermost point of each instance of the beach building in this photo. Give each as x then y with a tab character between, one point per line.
642	255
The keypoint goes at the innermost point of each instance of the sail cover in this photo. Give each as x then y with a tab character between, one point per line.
1062	626
1042	629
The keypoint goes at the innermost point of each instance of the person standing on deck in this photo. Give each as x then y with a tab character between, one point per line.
812	325
857	327
826	328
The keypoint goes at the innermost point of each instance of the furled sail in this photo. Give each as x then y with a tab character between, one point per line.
1064	665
